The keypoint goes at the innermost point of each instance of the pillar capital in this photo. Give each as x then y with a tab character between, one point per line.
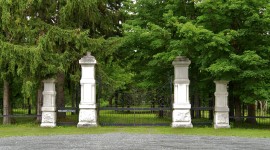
49	86
181	61
224	82
88	59
51	80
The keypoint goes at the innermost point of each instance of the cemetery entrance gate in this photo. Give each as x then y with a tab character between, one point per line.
135	106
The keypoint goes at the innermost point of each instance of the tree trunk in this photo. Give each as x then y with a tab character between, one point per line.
231	102
211	104
29	107
111	100
60	94
116	94
77	97
238	109
252	114
39	102
197	113
73	100
161	105
6	103
192	105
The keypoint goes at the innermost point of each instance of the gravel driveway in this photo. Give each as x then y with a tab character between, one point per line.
123	141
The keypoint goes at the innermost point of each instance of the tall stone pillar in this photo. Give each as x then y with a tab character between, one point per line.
88	112
48	118
181	106
221	114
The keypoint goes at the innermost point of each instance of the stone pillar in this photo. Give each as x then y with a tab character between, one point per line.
181	106
221	114
88	112
48	118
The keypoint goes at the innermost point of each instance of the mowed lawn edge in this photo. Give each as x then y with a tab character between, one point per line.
35	130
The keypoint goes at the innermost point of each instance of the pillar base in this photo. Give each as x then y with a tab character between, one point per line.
221	119
181	118
48	125
48	119
86	125
219	126
87	118
182	125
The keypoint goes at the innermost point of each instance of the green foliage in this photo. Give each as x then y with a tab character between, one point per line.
27	89
226	40
41	38
224	67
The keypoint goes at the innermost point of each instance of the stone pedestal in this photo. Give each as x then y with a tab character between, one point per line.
221	114
48	109
88	112
181	106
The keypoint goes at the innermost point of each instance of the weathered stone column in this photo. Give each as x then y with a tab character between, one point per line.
221	114
181	106
88	112
48	109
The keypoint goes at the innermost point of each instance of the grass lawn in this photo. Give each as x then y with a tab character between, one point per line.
35	130
27	127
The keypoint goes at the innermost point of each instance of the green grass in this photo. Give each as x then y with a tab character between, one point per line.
35	130
27	127
22	111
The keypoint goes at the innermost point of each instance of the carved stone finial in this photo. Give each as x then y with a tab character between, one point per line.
181	61
87	59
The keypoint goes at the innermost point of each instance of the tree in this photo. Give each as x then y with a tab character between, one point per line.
235	45
14	65
151	39
232	44
43	39
226	40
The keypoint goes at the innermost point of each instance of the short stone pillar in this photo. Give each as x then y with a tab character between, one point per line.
88	112
221	112
48	118
181	106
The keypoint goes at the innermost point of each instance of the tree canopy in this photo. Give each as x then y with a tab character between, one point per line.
225	40
41	38
136	41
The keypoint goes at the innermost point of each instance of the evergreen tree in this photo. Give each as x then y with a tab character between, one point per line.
44	39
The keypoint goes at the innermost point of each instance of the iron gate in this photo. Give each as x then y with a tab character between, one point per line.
68	115
135	106
202	114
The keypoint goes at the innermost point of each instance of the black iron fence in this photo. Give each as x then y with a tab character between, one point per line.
136	109
135	106
21	115
111	116
24	114
202	116
70	117
256	116
259	118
